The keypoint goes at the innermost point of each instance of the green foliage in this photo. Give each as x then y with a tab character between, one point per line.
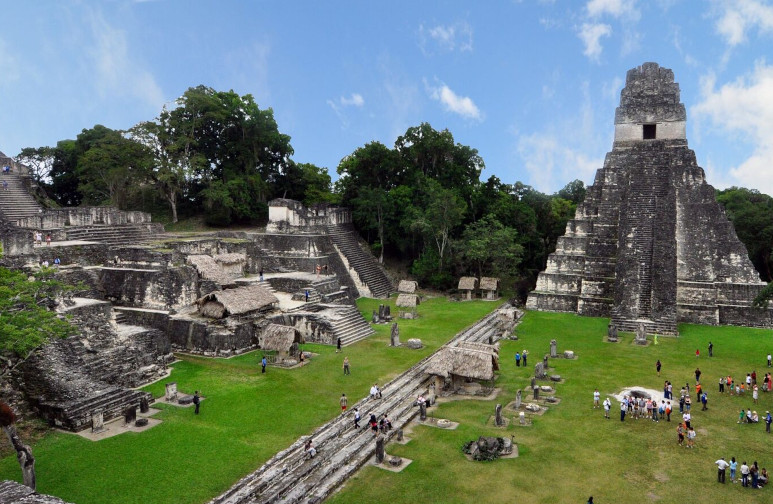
491	247
26	321
763	298
752	216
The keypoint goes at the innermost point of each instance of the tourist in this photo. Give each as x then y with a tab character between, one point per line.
196	402
754	470
57	262
704	401
346	366
755	418
590	500
748	379
657	366
523	356
697	375
754	378
623	407
711	349
356	418
733	466
721	467
687	403
607	407
698	390
338	345
690	437
325	269
261	274
682	395
263	363
770	360
343	402
768	420
680	434
721	384
373	424
306	295
741	416
5	185
375	393
309	449
596	397
686	417
384	424
670	391
755	394
668	411
763	477
45	263
301	357
318	269
517	359
697	352
48	240
745	474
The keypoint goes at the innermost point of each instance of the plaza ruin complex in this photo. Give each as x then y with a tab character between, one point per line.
649	244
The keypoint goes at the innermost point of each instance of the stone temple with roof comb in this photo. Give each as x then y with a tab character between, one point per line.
649	244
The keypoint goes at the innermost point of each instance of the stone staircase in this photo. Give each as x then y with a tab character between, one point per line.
129	234
289	477
344	237
346	323
16	202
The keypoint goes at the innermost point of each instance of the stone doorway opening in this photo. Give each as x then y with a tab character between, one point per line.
649	131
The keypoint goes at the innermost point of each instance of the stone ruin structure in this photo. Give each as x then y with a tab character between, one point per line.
143	294
649	244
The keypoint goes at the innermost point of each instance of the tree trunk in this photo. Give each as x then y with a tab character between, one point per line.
172	197
24	456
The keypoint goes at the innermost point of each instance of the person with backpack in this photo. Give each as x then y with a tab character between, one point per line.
196	402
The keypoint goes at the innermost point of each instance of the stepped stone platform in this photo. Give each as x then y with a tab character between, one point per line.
650	245
289	477
16	201
370	272
326	323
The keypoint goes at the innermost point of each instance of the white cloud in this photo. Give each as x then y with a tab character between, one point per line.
115	71
355	99
590	34
446	37
615	8
740	16
552	165
744	108
462	105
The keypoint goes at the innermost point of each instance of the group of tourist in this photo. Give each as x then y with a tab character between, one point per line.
38	237
640	407
751	475
521	356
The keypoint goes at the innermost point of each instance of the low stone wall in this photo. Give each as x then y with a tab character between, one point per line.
161	289
312	328
83	216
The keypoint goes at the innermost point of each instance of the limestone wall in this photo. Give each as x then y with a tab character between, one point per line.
163	289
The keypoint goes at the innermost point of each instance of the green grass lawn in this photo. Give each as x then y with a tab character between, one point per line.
245	419
572	452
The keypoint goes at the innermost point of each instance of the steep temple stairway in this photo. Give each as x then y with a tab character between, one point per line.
344	237
15	200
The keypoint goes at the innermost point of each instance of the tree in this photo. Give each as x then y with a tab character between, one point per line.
574	191
443	211
752	216
492	247
23	452
64	178
39	160
370	206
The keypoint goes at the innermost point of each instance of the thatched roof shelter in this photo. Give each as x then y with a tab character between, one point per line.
407	301
230	258
220	304
277	337
463	363
468	283
489	283
209	269
481	347
408	286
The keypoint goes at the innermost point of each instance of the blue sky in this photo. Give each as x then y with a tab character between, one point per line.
531	84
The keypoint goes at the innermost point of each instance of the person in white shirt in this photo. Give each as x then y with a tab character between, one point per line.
722	465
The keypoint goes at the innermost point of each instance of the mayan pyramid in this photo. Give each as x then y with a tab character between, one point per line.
650	244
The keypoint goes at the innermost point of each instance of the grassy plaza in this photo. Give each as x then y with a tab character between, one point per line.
567	454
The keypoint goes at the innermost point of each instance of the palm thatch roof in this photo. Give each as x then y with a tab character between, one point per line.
230	258
468	283
463	362
481	347
277	337
489	283
237	301
407	300
408	286
209	269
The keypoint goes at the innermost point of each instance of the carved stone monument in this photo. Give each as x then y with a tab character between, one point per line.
380	453
545	363
394	337
522	418
400	435
422	411
539	372
641	335
612	333
144	406
536	393
553	349
518	399
130	414
97	421
533	378
498	420
171	391
650	242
